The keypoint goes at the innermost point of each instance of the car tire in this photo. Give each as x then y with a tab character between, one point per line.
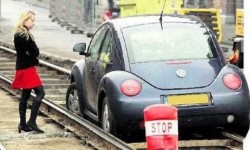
107	123
72	101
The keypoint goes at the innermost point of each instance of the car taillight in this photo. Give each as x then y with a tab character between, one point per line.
232	81
130	87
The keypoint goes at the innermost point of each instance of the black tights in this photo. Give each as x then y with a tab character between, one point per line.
26	95
31	124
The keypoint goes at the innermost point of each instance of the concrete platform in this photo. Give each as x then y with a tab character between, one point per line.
54	138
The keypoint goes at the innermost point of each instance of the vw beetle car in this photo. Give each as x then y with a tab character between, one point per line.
135	62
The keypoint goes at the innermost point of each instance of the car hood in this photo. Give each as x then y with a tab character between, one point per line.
178	74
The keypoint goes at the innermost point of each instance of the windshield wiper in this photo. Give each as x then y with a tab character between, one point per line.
161	14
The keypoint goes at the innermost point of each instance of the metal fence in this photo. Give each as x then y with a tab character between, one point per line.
76	15
40	3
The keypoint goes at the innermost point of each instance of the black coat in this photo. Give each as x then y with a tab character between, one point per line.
27	52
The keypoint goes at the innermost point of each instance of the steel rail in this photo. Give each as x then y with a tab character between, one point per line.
82	128
85	130
95	136
63	70
233	136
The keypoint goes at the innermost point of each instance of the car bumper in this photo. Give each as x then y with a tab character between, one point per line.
128	112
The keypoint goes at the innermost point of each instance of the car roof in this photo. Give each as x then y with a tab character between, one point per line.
146	19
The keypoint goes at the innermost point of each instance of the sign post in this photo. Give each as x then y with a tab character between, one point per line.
161	124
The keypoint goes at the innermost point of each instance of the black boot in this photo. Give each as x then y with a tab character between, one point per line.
32	121
22	112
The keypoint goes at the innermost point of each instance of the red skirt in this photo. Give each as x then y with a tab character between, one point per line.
26	79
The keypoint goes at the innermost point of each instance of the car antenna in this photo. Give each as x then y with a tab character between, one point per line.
162	14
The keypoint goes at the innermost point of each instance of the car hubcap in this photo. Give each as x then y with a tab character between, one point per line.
106	125
73	101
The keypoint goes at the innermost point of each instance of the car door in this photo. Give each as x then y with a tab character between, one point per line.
90	69
105	60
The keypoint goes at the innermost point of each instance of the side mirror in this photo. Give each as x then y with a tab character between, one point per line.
80	47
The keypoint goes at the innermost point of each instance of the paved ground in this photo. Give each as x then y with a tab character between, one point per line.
51	38
54	138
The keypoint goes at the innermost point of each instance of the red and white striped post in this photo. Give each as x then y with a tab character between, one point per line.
161	125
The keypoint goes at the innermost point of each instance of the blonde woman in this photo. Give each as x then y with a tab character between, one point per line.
26	77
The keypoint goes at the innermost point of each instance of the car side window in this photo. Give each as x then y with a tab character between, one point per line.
96	43
106	50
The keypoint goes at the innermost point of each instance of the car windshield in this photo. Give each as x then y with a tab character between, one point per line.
174	41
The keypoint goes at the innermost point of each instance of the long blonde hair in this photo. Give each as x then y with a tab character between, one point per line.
20	28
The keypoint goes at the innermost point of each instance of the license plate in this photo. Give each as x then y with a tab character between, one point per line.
189	99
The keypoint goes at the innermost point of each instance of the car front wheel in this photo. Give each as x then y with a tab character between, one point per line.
72	101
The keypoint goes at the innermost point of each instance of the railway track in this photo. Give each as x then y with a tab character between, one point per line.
55	85
53	105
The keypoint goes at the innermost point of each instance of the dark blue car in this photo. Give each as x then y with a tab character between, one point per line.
135	62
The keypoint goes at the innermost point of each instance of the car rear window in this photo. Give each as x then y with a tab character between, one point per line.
172	41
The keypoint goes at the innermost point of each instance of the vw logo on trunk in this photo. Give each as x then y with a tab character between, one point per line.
181	73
